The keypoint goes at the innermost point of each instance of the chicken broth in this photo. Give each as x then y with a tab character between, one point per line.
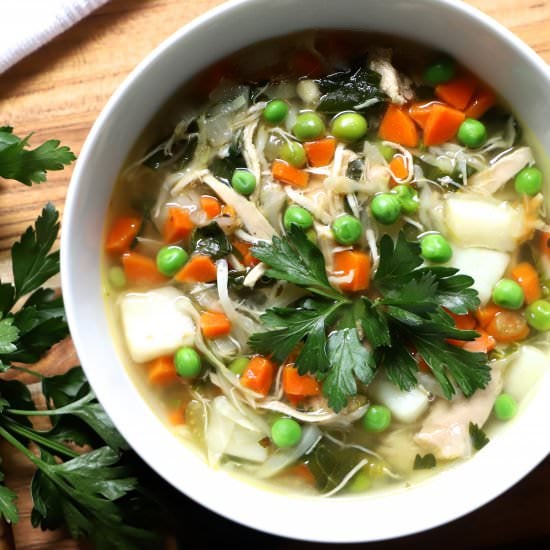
326	263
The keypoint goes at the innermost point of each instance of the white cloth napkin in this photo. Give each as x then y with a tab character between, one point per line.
28	24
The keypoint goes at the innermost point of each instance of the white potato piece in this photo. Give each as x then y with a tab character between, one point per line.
473	222
502	171
528	367
153	325
485	266
405	406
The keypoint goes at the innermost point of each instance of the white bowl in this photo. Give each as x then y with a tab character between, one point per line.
475	40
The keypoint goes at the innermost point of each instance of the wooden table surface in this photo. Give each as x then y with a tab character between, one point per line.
57	92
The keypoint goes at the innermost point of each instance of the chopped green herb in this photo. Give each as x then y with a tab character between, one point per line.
211	241
478	436
425	462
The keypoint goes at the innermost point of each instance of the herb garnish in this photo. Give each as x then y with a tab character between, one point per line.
425	462
347	338
478	436
30	165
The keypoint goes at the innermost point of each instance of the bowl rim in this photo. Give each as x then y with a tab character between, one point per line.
284	504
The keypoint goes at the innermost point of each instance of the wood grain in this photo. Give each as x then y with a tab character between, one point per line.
57	92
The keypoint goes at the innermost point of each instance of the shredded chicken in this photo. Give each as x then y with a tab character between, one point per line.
445	431
398	87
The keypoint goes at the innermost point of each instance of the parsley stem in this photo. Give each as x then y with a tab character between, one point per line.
41	440
55	412
29	371
19	446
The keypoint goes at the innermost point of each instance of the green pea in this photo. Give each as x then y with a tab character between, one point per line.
275	111
308	126
294	153
349	126
346	229
386	151
408	198
385	208
286	432
117	278
508	294
377	418
506	407
170	259
538	315
528	181
296	215
243	181
360	482
238	366
472	133
436	248
187	362
439	72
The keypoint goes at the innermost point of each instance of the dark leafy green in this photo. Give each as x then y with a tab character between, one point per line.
8	502
349	89
211	241
223	167
355	169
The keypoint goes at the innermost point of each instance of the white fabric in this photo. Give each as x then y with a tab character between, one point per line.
28	24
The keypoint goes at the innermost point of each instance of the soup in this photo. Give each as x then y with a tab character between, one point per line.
326	262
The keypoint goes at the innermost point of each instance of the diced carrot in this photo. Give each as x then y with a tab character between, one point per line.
286	173
528	278
305	63
399	169
199	269
299	385
258	375
320	152
508	326
162	371
211	206
141	270
420	111
178	225
244	249
486	314
463	322
176	417
483	100
303	472
122	233
398	126
359	263
544	244
214	324
482	344
457	92
442	124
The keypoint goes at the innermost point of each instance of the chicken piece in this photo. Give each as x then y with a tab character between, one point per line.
395	85
445	430
490	180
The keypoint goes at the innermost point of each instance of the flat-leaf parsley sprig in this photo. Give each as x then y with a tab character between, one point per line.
344	339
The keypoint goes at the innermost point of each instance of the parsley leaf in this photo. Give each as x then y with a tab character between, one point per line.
290	326
30	165
8	506
8	335
478	436
425	462
296	260
348	358
33	261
